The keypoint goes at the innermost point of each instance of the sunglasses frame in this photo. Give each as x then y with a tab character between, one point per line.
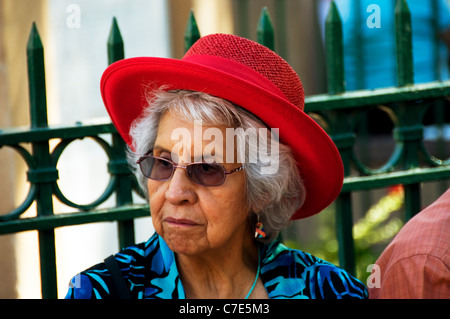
175	166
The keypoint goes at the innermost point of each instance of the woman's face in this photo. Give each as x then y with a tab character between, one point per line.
191	218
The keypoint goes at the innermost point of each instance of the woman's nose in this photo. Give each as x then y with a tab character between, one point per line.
181	190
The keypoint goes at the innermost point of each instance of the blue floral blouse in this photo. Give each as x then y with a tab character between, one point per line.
150	271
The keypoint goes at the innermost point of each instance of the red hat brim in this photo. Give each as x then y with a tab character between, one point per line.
125	84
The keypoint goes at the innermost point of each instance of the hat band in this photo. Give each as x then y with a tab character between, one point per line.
237	70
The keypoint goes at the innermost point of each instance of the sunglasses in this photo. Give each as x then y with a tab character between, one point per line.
204	174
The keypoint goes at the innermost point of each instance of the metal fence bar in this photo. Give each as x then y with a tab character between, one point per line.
403	38
43	223
334	51
118	165
15	136
44	174
385	96
191	33
411	114
264	30
342	134
407	177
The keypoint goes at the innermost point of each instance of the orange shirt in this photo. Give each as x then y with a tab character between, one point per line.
416	264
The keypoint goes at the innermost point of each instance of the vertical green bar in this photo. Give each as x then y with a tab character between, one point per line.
403	38
341	134
124	190
192	33
334	51
36	78
115	43
118	162
405	76
41	154
264	30
358	45
344	211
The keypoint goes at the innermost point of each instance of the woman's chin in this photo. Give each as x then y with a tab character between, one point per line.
182	243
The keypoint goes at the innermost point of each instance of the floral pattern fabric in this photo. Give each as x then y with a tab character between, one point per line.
150	272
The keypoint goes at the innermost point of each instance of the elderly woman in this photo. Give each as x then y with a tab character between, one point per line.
227	158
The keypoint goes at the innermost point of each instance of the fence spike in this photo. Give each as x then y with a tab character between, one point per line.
264	30
36	79
403	36
34	39
192	33
115	43
41	155
334	51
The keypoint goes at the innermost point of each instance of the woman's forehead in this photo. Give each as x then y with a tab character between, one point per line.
191	141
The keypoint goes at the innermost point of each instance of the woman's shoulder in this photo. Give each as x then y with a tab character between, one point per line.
292	273
96	282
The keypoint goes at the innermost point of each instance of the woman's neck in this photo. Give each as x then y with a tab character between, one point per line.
228	272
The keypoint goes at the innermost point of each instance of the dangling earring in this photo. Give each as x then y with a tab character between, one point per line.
259	230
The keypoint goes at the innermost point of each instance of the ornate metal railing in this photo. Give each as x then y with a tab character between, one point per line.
410	164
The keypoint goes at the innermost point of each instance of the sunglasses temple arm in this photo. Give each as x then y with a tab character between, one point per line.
235	170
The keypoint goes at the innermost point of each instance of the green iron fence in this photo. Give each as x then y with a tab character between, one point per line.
409	165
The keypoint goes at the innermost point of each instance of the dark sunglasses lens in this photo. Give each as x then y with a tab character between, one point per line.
155	168
206	174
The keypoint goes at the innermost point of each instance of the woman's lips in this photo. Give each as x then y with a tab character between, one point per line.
180	222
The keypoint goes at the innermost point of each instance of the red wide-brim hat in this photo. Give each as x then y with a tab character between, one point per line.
247	74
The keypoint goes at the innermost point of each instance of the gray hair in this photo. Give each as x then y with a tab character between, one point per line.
273	198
